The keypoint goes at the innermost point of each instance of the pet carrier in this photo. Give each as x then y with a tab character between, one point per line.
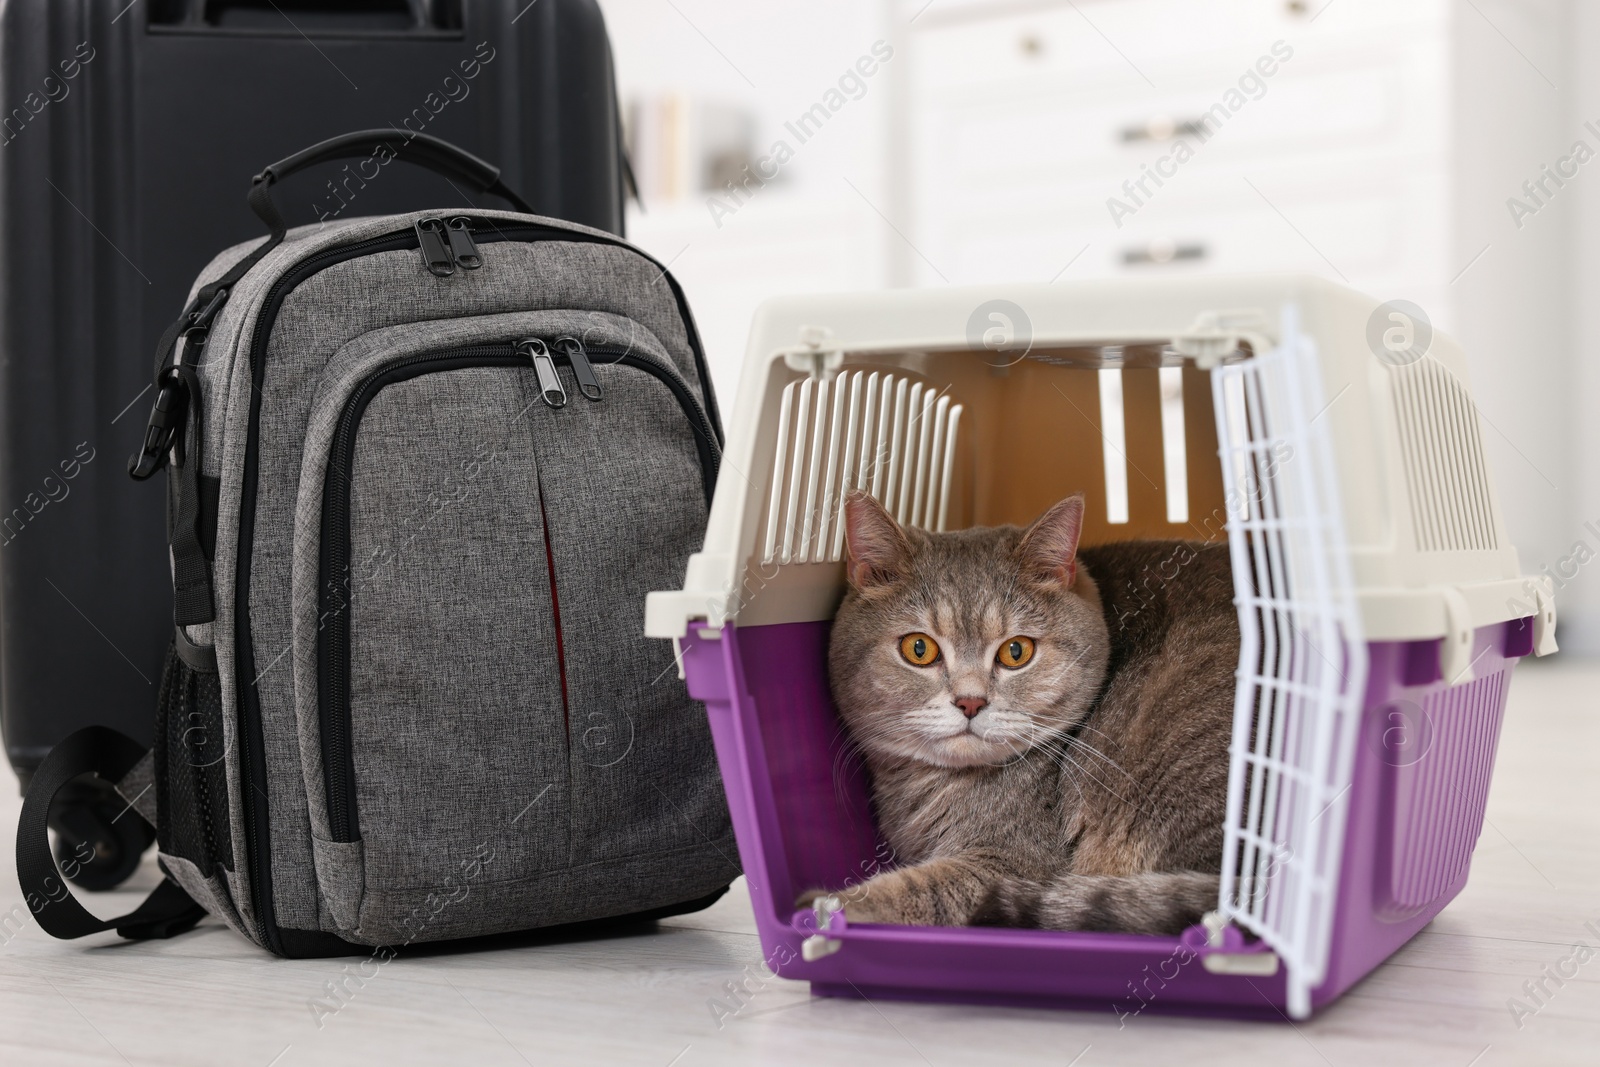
1337	450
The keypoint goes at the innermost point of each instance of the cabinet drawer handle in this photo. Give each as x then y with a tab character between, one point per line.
1165	128
1162	251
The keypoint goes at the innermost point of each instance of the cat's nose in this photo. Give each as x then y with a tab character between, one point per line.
970	706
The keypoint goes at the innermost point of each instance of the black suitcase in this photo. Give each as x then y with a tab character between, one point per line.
127	131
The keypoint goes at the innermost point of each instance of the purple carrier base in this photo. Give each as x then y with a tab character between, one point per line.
803	820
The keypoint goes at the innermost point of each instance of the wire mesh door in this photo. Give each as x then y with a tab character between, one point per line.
1303	660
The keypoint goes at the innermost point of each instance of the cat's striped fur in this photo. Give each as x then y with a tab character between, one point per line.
1087	793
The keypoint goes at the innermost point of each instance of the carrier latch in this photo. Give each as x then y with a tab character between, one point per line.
1455	652
1544	621
1217	334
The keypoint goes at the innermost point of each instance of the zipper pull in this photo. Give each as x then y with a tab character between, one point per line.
545	366
582	369
462	246
435	254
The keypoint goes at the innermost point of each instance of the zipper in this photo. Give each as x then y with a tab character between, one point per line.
582	369
447	245
462	246
544	366
436	255
255	815
333	633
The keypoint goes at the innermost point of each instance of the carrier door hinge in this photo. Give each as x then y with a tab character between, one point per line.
820	944
1244	964
1217	334
1222	935
816	354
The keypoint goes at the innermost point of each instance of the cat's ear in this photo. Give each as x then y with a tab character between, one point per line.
878	549
1049	550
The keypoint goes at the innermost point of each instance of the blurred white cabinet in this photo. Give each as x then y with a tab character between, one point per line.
1038	135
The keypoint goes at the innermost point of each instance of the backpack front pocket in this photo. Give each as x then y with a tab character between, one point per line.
462	747
443	733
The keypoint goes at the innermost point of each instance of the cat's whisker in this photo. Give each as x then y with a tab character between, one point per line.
1065	754
1056	761
1084	746
1085	768
1084	725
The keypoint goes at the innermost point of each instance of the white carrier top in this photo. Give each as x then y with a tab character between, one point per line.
1426	547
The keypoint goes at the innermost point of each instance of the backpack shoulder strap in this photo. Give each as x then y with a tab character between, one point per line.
167	911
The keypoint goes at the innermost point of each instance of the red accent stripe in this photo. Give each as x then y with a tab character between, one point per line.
555	611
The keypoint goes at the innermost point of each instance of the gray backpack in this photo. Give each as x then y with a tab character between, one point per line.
422	471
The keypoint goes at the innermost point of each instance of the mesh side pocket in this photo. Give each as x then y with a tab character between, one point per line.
191	776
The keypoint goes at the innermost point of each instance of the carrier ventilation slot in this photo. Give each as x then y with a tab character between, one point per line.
1174	446
1114	444
1445	470
1302	660
1440	798
887	434
1114	435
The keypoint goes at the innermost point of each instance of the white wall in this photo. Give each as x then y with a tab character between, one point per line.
807	231
1579	395
1513	310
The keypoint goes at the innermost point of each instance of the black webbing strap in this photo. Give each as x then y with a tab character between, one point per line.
177	426
209	300
161	428
165	912
192	602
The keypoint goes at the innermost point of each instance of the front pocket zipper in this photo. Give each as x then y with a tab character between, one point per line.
582	369
333	632
544	367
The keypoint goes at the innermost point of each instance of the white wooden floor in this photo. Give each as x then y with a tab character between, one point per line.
208	998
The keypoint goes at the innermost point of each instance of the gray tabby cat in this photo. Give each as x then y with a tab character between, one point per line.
1046	730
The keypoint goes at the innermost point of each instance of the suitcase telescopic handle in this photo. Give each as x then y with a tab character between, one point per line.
213	12
418	149
421	12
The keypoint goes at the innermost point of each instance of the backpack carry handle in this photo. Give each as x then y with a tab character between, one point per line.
419	149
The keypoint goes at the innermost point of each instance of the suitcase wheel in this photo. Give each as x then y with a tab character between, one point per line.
99	838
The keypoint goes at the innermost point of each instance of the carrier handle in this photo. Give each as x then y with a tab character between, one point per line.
167	911
419	149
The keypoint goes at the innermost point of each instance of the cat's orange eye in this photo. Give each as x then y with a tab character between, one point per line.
919	649
1015	652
